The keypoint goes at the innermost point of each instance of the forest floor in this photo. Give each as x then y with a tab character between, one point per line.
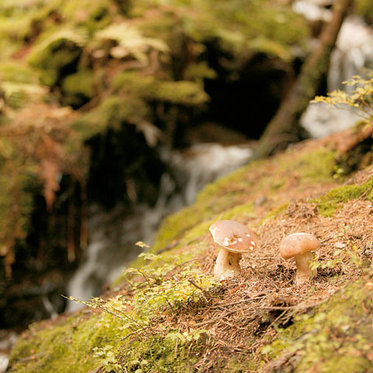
251	307
260	320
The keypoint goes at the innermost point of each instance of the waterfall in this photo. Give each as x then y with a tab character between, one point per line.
352	55
113	234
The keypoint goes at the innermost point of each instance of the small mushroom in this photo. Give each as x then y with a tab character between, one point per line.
300	247
234	239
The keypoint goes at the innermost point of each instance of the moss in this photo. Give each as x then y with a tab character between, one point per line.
112	112
173	226
312	165
179	92
73	346
16	202
17	72
88	340
335	337
237	365
67	346
271	48
365	9
19	95
159	353
336	197
80	342
228	198
234	28
195	220
78	87
56	50
93	15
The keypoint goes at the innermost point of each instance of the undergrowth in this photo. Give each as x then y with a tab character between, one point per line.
126	331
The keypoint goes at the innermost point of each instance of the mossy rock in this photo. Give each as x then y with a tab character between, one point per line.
113	112
152	89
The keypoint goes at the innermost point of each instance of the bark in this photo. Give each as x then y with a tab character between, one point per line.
285	128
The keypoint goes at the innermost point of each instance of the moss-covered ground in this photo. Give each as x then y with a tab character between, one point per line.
167	314
335	337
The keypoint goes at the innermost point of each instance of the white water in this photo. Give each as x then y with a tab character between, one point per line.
352	55
113	236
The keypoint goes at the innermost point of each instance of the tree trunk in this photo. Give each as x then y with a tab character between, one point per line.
284	128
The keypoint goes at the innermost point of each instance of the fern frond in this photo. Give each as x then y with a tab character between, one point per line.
130	42
18	95
78	37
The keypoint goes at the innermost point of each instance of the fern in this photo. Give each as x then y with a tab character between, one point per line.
130	42
76	36
18	95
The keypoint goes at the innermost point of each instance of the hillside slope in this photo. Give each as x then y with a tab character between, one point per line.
168	314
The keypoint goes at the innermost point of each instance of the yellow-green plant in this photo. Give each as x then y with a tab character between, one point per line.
129	42
160	286
107	358
359	96
157	286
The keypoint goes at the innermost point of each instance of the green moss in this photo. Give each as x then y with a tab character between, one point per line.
365	9
237	364
57	49
336	197
207	20
67	346
17	72
79	83
315	165
16	183
150	88
18	95
196	219
77	87
271	48
158	354
173	226
336	337
80	342
112	112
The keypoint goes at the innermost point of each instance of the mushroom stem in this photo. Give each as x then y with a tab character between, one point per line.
304	271
227	264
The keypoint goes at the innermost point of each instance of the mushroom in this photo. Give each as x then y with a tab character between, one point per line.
300	247
234	239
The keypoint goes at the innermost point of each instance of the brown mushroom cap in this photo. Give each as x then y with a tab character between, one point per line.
298	243
233	236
